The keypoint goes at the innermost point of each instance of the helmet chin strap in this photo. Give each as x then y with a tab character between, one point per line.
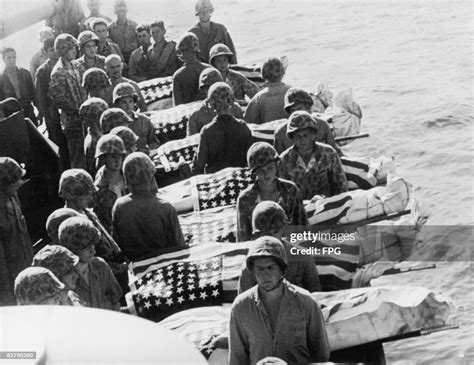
278	284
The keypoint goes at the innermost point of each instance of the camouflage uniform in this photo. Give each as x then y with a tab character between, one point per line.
108	47
108	191
204	114
224	142
128	137
54	221
36	284
16	249
67	95
91	111
186	78
112	118
268	104
323	174
295	96
99	288
289	198
143	224
241	85
99	62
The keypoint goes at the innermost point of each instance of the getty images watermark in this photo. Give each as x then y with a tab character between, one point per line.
18	355
315	246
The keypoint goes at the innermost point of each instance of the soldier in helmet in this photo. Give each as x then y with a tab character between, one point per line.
269	219
186	78
67	95
122	30
114	67
54	221
210	33
299	99
16	249
106	46
128	137
263	161
39	286
88	46
275	318
144	224
109	179
62	263
314	167
220	57
162	52
268	104
96	83
97	284
125	98
112	118
224	142
91	111
204	113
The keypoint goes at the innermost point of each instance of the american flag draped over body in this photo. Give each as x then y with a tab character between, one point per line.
157	89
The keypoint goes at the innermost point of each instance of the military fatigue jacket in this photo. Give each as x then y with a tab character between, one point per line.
217	34
324	135
107	48
240	85
16	250
140	65
164	59
300	333
66	93
37	60
289	198
268	104
204	114
99	62
145	131
186	82
323	175
125	36
102	290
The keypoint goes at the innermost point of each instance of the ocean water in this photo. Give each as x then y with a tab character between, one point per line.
410	66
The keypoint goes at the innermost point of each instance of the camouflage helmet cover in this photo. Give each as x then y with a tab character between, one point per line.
294	96
56	218
220	96
188	42
63	43
268	217
219	49
75	183
113	117
56	258
95	79
78	233
267	246
109	143
273	70
261	154
10	171
36	284
300	120
209	76
91	110
87	36
123	90
128	136
138	168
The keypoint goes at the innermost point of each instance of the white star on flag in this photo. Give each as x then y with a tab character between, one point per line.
203	295
215	293
169	301
147	305
180	300
192	296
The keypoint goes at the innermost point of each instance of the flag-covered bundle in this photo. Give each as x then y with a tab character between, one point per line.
353	317
157	91
170	124
170	154
188	277
210	225
358	205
